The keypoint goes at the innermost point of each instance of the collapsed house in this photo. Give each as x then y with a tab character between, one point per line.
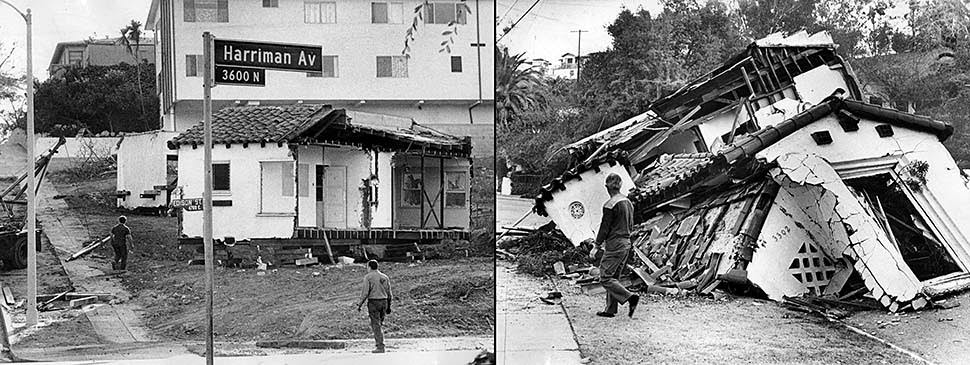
306	177
770	172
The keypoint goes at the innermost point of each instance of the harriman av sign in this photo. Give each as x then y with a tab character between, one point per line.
273	56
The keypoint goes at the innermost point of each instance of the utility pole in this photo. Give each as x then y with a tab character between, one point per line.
579	50
207	42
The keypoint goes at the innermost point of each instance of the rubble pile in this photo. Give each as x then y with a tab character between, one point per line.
536	251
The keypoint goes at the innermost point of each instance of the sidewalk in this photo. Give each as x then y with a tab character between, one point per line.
529	331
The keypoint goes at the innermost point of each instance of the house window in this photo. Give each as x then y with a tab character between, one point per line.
193	65
220	176
317	12
392	66
329	68
271	3
74	57
386	12
455	187
205	11
455	63
303	179
445	13
270	189
411	190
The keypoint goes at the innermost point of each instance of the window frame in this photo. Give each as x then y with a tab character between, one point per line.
222	11
390	7
323	74
405	189
272	3
463	191
80	57
460	68
430	18
319	5
391	75
196	65
215	183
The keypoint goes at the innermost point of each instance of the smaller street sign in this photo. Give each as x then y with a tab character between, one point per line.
188	204
228	75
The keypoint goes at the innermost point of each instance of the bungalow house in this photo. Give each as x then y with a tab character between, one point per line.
800	189
308	175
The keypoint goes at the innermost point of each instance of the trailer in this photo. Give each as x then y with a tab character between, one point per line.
13	217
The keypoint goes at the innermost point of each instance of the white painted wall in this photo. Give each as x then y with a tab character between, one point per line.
243	219
360	165
142	165
944	192
818	83
590	191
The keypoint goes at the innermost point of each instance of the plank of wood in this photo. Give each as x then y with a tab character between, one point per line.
838	280
78	303
8	296
307	261
88	249
643	276
710	287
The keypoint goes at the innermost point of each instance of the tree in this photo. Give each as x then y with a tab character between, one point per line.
517	87
462	10
132	33
97	98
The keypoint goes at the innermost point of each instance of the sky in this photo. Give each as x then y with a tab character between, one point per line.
545	32
62	21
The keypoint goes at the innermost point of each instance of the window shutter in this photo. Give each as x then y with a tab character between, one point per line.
383	66
188	11
223	11
378	13
220	176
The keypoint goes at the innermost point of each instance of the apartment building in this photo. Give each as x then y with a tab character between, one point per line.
444	81
98	52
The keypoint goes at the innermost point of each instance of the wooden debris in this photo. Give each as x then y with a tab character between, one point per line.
710	287
307	261
8	296
46	305
643	276
919	303
89	248
854	293
78	303
508	255
559	268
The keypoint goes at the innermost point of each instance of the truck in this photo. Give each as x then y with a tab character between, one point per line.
13	217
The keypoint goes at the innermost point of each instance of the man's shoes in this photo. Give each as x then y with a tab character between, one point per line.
634	300
379	350
605	314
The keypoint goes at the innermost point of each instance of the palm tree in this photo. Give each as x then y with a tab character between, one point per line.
131	38
517	88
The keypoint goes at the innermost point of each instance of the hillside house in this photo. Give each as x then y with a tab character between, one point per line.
307	173
770	172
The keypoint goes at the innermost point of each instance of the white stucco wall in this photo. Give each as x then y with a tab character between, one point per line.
243	219
359	165
590	191
818	83
141	166
945	192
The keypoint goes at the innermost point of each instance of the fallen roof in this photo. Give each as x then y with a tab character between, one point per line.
308	123
678	174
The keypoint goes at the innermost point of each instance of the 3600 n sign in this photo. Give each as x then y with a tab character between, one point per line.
227	75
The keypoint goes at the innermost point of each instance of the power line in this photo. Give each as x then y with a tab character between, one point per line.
507	11
517	21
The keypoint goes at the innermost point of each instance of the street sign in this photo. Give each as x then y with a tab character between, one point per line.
188	204
230	75
274	56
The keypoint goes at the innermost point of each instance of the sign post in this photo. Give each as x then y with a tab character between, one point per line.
207	194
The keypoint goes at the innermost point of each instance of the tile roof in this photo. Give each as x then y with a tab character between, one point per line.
313	123
545	193
271	123
671	170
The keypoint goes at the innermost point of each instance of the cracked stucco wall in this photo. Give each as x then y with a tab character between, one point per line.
589	193
945	194
874	256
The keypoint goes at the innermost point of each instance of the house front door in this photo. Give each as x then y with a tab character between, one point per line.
334	197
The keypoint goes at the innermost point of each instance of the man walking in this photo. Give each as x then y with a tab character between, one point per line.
120	239
377	293
614	237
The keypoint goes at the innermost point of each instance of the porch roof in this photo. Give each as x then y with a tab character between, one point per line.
317	123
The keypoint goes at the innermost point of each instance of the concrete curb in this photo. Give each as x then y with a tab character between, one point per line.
303	344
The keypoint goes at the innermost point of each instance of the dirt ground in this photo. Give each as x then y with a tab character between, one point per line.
436	298
694	329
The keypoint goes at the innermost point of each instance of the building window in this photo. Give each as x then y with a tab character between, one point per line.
455	187
329	68
193	65
206	11
445	13
74	57
455	63
392	66
270	189
271	3
220	176
317	12
411	190
386	12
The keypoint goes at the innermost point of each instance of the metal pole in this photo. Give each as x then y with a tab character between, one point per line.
579	50
31	186
207	193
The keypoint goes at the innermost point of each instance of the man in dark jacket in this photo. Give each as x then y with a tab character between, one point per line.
120	240
614	239
376	292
